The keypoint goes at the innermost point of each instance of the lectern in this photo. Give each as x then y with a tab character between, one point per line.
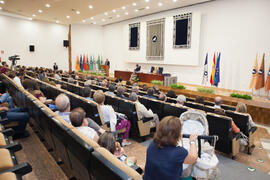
106	69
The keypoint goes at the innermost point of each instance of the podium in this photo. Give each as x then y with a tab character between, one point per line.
106	69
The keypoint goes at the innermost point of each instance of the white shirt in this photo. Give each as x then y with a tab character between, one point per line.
87	131
57	77
109	115
143	112
17	81
217	106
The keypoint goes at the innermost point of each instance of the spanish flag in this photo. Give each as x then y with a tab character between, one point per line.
78	64
254	73
260	76
267	83
213	70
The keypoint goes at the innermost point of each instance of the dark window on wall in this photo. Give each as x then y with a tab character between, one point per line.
134	36
182	31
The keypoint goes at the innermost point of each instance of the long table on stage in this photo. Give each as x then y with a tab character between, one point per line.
143	77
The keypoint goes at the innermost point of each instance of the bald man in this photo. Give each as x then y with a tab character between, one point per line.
63	104
218	102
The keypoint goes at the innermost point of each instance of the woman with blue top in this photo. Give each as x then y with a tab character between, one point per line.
165	158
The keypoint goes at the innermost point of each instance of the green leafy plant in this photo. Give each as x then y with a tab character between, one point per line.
156	82
205	90
242	96
175	86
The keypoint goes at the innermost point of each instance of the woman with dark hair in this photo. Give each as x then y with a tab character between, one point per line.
165	157
171	94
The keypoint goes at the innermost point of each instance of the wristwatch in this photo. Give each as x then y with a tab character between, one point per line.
192	142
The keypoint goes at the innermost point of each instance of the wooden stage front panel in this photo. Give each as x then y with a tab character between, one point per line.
143	77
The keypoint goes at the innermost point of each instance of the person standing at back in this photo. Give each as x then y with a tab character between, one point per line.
165	158
55	67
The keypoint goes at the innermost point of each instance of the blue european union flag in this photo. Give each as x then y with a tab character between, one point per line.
217	71
81	63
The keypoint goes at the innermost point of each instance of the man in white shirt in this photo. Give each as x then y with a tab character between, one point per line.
78	120
218	102
142	110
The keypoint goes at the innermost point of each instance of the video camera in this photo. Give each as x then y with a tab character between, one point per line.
13	59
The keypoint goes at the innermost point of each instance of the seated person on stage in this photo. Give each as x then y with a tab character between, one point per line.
218	102
138	68
78	120
107	140
111	90
120	92
17	115
171	94
86	93
142	110
199	99
63	104
235	129
180	101
162	97
109	115
150	93
242	108
165	157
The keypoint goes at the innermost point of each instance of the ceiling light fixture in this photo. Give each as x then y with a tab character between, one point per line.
146	0
160	4
2	2
83	21
94	23
78	12
117	15
114	11
147	7
134	4
174	0
47	5
1	8
103	20
123	7
34	15
90	7
106	14
126	13
40	11
92	18
30	19
68	16
57	21
136	10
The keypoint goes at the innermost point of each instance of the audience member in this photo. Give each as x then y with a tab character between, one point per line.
156	89
180	100
63	104
218	102
162	97
107	140
235	129
88	82
128	83
120	92
199	99
171	94
15	78
42	75
150	93
135	89
165	158
86	93
242	108
144	87
78	120
111	90
4	68
57	75
142	110
109	115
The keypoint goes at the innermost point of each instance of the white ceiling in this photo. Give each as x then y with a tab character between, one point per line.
103	11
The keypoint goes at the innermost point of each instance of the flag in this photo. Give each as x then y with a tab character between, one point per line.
98	63
267	83
217	71
84	65
205	72
81	63
260	76
91	63
254	73
87	64
78	64
213	70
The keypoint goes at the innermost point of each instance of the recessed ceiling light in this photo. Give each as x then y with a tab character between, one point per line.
83	21
78	12
40	11
103	20
106	14
123	7
30	19
68	16
160	4
94	23
126	13
34	15
146	0
2	2
134	4
57	21
117	15
47	5
92	18
114	11
1	8
90	7
136	10
174	0
147	7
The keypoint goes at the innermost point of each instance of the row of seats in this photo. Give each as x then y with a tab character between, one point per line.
78	156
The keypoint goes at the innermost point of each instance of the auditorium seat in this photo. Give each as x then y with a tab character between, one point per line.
208	103
106	166
171	100
173	110
228	107
194	105
209	108
222	127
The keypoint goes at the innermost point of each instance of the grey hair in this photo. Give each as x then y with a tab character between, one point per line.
133	96
62	102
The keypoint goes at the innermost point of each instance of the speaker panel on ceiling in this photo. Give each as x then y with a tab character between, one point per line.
66	43
31	48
